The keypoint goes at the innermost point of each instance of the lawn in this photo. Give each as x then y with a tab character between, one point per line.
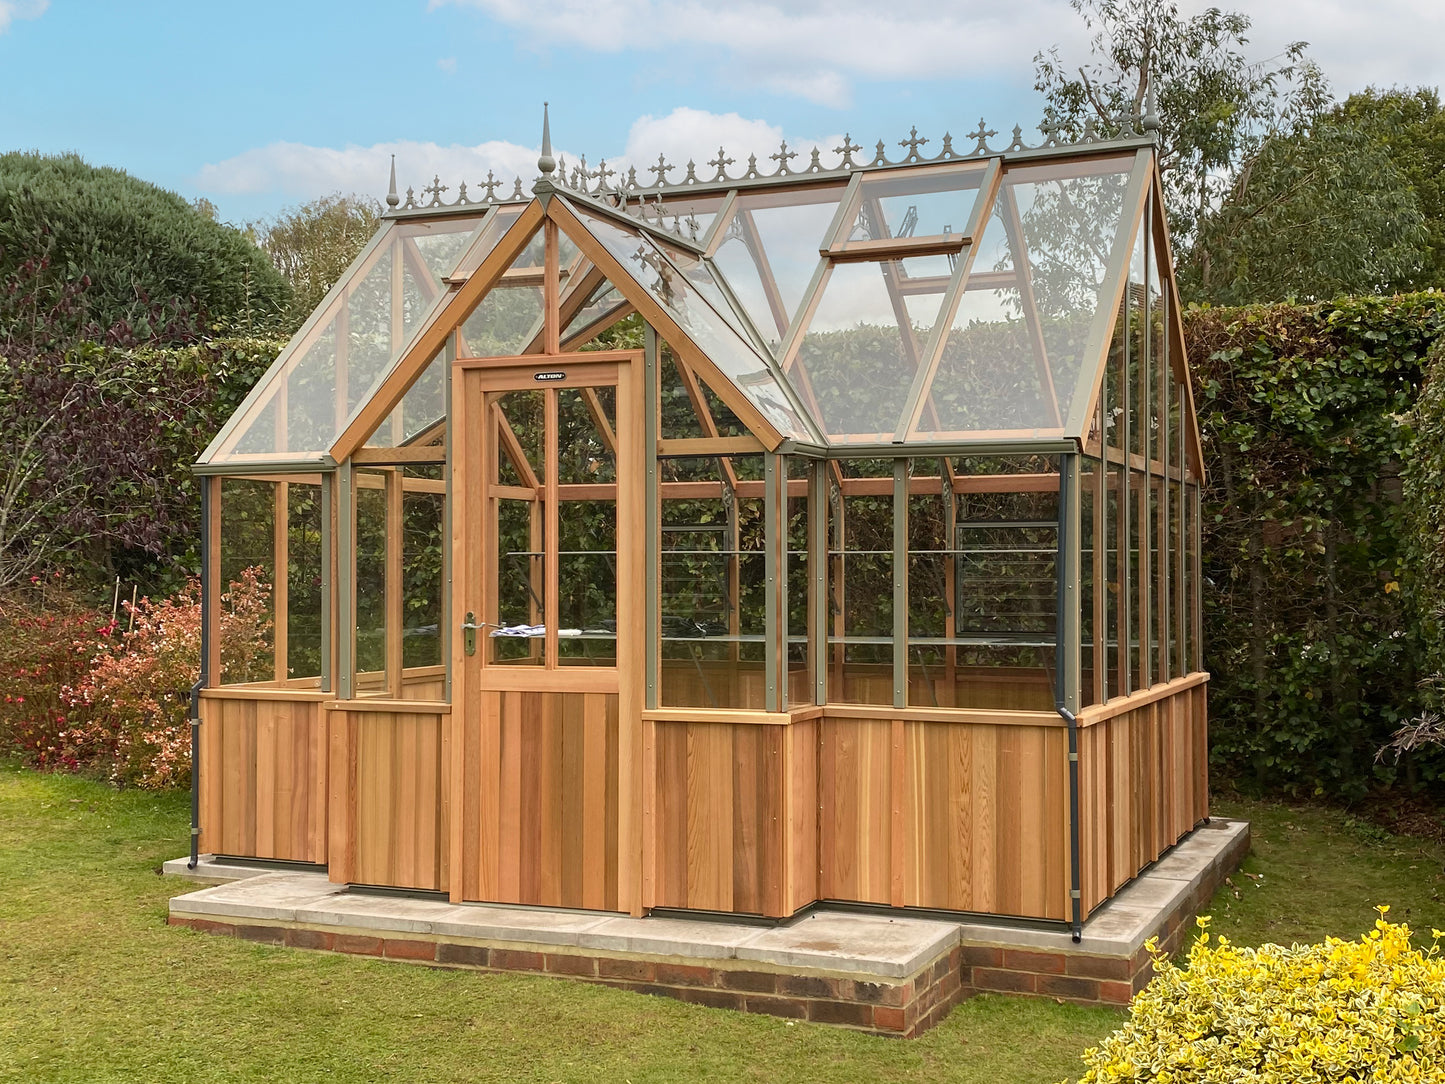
94	986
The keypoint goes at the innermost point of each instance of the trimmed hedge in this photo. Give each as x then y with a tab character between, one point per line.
1311	624
146	255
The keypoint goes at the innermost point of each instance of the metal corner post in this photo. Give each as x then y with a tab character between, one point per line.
1067	662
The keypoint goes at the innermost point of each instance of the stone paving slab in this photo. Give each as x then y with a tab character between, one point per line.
1122	925
891	946
211	871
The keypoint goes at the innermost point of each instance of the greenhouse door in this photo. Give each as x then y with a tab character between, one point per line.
547	593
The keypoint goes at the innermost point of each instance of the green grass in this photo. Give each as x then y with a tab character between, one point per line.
95	987
1318	872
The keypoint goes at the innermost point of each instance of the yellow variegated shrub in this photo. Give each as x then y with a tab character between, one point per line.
1362	1011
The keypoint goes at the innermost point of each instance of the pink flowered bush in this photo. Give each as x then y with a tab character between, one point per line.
132	708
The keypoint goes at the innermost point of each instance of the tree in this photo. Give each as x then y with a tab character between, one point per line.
1216	108
151	260
1409	125
1317	213
311	245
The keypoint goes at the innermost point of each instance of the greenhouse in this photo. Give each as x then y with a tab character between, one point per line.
727	541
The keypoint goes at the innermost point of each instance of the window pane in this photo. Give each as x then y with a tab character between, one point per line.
1031	300
247	578
650	268
863	346
770	252
860	579
587	528
331	367
982	591
422	546
801	689
713	583
515	611
928	202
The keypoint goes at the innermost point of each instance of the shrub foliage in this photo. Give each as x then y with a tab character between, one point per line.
1369	1010
1311	633
139	248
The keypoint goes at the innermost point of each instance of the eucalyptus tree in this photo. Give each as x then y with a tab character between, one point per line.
1216	107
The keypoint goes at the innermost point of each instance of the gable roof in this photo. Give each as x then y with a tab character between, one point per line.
935	304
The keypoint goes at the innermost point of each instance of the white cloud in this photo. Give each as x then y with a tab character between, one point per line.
818	49
298	171
1383	42
812	49
448	64
10	10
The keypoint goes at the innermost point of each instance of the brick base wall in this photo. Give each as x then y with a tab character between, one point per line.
905	1008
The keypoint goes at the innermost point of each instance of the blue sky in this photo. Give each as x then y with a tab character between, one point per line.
260	105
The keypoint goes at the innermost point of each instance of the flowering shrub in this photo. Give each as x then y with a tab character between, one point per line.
47	643
1368	1010
136	697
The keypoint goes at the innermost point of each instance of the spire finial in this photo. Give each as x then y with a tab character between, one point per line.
392	199
1152	123
546	163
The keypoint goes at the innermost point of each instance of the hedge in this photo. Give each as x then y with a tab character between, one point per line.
1311	624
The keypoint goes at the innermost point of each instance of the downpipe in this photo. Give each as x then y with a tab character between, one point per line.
196	770
207	575
1066	541
1076	924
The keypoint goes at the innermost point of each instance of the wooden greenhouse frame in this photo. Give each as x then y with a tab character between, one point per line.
726	546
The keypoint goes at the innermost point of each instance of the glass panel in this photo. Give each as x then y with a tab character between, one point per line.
485	240
604	299
650	268
587	528
1157	572
1194	646
423	582
713	583
421	408
1088	556
801	689
1014	358
1177	535
1115	574
333	365
515	609
1137	510
1136	295
1006	548
860	578
247	576
770	252
371	544
862	348
507	319
916	203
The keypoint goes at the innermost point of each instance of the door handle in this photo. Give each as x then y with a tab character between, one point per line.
469	633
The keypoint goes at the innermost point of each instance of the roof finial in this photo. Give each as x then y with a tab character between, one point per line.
1152	123
546	163
392	199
